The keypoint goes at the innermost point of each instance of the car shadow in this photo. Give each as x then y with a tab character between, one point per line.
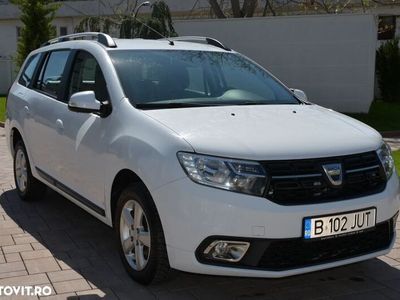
87	247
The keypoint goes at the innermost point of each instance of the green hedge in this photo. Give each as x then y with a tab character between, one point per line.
2	108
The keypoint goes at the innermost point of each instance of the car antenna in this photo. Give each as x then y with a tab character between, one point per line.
147	3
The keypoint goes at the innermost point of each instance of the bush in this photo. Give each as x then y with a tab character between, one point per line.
388	70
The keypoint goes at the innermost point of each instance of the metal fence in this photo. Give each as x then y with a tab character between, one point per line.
8	71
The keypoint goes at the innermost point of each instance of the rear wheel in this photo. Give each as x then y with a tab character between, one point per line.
28	187
140	236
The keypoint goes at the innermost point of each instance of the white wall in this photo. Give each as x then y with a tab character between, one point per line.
330	57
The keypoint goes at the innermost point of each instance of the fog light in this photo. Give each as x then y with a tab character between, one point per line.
232	251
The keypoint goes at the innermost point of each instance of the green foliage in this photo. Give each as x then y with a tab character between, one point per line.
383	116
2	108
396	156
36	16
160	19
388	70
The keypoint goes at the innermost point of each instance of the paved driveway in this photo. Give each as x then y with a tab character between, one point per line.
52	242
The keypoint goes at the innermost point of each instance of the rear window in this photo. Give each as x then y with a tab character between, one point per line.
26	76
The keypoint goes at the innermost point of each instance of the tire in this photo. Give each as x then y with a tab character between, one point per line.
28	187
141	241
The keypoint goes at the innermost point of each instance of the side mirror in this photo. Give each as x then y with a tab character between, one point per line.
84	102
300	95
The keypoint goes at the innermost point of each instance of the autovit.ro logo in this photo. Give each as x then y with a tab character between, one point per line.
8	290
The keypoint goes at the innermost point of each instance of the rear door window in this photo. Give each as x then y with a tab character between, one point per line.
49	80
27	75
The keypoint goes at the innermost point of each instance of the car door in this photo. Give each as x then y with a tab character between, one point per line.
22	99
46	107
84	137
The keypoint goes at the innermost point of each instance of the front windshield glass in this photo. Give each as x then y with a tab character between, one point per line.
174	78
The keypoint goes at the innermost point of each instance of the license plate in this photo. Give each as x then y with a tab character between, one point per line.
319	227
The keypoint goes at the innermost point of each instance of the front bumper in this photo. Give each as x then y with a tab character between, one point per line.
191	213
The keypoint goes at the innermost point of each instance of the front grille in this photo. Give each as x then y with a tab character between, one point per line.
297	182
297	253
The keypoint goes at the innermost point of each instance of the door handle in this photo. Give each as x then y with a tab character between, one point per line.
59	125
27	111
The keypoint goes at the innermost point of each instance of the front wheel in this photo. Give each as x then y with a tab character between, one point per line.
28	187
140	236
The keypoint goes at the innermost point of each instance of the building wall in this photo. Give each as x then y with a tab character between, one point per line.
330	57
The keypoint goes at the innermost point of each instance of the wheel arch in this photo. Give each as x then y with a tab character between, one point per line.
15	136
123	178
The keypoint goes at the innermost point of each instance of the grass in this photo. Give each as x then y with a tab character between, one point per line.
382	116
396	156
2	108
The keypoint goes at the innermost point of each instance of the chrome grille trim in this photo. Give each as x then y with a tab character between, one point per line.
363	169
297	176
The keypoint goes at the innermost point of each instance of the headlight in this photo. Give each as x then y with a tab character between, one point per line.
386	158
234	175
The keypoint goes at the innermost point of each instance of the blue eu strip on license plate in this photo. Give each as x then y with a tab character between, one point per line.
307	228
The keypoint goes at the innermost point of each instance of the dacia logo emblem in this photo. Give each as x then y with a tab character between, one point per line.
334	173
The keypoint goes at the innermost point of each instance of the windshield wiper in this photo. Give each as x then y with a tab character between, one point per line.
155	105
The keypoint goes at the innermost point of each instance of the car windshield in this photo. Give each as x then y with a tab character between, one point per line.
174	78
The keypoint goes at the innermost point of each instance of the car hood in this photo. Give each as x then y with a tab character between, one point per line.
269	132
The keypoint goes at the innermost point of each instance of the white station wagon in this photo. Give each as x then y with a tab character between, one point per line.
199	158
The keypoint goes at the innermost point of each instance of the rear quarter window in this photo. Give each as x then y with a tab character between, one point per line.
27	74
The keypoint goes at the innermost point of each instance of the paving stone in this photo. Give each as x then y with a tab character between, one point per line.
6	240
394	254
389	261
17	248
25	280
8	224
13	274
71	286
12	267
7	231
26	255
41	265
12	257
24	239
38	246
64	275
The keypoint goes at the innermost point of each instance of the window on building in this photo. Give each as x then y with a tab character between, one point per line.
18	31
63	30
386	27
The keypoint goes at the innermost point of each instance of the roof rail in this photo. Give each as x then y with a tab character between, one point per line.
102	38
201	40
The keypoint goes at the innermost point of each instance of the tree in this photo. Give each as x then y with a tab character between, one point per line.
388	70
123	21
36	16
247	9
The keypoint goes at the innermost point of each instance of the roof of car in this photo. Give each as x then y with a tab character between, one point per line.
194	43
144	44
